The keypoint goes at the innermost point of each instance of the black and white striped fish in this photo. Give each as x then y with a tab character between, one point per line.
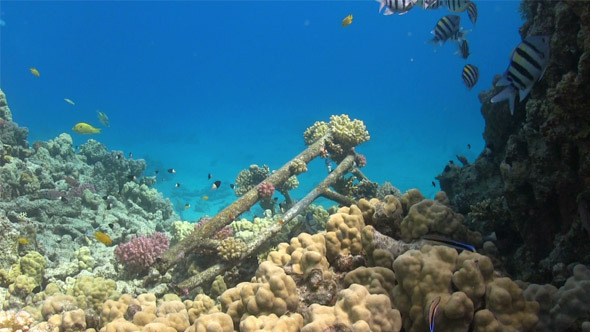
445	28
527	65
463	48
457	6
429	4
472	12
470	75
396	6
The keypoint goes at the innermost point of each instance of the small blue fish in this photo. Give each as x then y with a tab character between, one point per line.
443	240
2	23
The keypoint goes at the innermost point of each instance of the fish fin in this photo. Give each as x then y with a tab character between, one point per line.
388	11
503	81
543	72
523	93
509	93
403	13
98	130
382	4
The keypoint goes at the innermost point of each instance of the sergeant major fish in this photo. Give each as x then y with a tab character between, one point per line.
528	62
472	12
457	6
470	76
446	27
396	6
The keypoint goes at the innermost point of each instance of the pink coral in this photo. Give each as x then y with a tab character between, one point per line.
361	160
265	190
141	252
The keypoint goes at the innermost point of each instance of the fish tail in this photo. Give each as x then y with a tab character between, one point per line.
382	4
509	93
98	130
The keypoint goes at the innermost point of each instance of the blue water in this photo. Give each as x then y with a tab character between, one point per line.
214	86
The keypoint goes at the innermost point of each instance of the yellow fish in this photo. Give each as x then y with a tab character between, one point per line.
34	71
84	128
103	238
206	198
69	101
347	21
23	241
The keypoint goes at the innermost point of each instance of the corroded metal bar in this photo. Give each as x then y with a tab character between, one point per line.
210	273
191	243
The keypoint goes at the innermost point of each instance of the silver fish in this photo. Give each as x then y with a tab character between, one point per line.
103	118
528	63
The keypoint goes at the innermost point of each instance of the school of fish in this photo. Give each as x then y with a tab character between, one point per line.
528	60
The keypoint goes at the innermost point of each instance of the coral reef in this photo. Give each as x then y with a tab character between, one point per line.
537	160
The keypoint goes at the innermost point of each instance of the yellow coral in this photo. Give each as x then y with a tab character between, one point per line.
231	248
315	132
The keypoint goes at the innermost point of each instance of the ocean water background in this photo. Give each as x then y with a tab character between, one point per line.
214	86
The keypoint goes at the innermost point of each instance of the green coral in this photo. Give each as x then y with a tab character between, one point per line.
218	287
249	178
33	264
231	249
315	132
246	230
23	285
92	292
84	258
348	133
298	166
180	230
291	183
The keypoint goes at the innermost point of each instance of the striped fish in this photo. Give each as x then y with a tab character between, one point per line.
429	4
470	75
432	309
459	35
396	6
463	48
457	6
472	12
527	65
445	28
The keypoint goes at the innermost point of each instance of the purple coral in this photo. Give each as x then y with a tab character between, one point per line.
265	190
141	252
